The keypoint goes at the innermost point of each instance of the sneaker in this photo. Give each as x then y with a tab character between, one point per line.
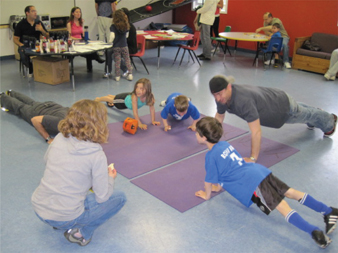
203	58
130	77
287	65
69	234
201	55
163	103
125	74
329	78
310	127
328	134
30	75
331	220
268	62
117	78
106	75
320	238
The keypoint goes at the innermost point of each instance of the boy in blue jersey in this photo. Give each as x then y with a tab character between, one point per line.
180	108
253	183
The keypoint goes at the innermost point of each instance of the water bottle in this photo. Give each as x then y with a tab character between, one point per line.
86	33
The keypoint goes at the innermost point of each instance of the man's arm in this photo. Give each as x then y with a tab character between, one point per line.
220	4
256	137
97	8
220	117
16	41
265	29
37	123
42	29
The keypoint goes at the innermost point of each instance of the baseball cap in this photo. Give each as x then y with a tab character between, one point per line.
220	82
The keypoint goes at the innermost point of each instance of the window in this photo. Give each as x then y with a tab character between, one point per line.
196	3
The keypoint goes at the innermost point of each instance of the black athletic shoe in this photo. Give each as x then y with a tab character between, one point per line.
201	55
331	220
203	58
320	238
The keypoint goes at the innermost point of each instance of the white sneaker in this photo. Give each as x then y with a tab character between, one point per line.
130	77
163	103
117	78
106	75
125	74
30	75
287	65
268	62
329	78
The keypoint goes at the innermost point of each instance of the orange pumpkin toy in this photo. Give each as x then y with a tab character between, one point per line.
130	125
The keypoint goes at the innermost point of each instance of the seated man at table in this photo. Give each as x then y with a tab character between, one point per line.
44	116
269	20
30	27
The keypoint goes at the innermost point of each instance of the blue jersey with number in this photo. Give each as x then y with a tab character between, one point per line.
225	166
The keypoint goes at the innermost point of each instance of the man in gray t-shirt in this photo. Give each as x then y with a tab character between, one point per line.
268	107
104	10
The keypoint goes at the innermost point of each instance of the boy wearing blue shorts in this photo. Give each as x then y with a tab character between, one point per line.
253	183
180	108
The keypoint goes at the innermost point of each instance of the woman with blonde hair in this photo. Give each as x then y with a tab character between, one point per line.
76	163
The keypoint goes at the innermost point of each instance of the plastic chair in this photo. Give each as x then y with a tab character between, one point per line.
141	45
274	47
191	49
222	40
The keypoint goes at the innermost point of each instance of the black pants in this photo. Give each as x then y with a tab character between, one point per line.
25	59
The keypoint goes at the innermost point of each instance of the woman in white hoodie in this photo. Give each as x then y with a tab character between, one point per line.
76	163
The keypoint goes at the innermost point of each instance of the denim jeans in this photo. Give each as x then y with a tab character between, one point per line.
286	49
314	117
93	216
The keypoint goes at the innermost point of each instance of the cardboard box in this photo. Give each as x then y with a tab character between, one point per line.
51	70
150	44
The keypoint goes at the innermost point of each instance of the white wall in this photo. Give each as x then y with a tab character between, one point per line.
63	9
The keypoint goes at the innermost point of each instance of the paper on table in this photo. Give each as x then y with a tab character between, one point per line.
150	37
140	32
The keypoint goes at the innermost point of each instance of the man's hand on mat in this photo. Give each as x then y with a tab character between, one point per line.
201	194
192	127
167	128
216	187
156	123
143	126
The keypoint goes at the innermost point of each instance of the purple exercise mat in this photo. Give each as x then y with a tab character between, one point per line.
271	152
153	148
176	184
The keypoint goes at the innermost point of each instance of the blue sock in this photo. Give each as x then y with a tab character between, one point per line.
315	205
295	219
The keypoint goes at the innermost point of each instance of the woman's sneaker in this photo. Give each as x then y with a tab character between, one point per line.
331	220
130	77
117	78
69	234
125	74
320	238
106	75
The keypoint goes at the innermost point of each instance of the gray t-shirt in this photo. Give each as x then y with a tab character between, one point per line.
271	106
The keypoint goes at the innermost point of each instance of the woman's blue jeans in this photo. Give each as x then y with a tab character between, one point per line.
93	216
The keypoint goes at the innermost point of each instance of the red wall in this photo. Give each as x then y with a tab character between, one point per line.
300	17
